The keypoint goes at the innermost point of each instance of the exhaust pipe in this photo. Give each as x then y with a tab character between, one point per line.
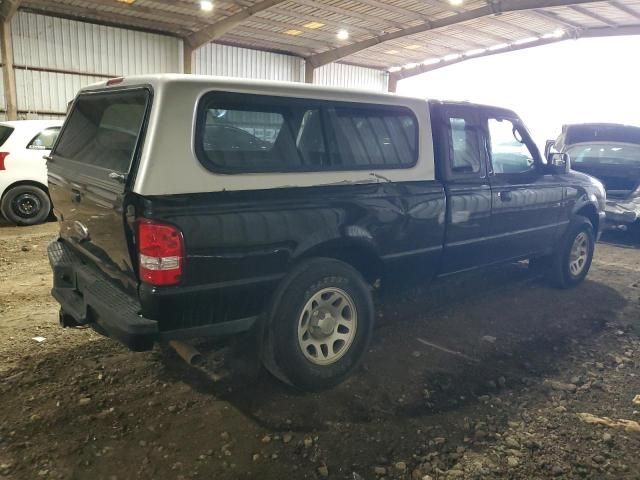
187	352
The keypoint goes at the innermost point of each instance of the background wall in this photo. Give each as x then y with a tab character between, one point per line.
55	57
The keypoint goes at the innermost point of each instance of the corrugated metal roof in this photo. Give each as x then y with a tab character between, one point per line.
285	26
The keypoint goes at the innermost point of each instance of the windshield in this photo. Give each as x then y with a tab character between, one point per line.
605	154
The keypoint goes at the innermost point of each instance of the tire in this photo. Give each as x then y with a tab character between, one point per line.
571	263
25	205
320	324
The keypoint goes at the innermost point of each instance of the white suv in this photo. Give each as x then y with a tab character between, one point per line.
23	169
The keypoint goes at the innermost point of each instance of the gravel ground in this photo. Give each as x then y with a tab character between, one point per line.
485	375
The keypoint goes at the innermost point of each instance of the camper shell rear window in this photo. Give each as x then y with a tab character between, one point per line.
246	133
103	128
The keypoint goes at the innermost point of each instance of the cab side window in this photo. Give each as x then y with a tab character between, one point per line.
509	152
464	137
45	139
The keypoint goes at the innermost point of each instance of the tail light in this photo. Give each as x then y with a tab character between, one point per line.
161	253
3	155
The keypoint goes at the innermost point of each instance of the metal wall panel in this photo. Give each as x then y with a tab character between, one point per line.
82	51
223	60
350	76
48	92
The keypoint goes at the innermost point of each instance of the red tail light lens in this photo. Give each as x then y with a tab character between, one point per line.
3	155
161	253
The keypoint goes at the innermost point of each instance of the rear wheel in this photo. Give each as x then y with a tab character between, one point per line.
571	263
25	205
321	324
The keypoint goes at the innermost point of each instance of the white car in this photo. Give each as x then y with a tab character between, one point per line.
23	169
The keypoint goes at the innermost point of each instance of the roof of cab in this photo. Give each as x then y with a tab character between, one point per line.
160	80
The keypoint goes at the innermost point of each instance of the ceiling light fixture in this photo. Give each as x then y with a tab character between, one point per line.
342	34
451	57
524	41
313	25
456	3
293	32
412	47
431	61
500	46
128	2
206	5
473	53
409	66
395	69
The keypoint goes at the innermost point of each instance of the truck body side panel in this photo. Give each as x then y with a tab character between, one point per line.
240	244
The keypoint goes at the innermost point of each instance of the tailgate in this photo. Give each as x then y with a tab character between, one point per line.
90	170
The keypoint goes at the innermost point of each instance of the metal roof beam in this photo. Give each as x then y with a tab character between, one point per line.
557	19
240	41
8	9
218	29
484	11
367	17
628	10
595	16
304	19
113	19
584	33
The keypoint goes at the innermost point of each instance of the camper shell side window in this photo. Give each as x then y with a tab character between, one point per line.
246	133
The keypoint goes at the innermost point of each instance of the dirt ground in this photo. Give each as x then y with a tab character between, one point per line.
497	391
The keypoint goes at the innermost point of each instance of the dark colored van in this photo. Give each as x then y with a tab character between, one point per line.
196	206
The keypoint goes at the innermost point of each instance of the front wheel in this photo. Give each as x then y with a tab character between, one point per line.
321	324
25	205
571	263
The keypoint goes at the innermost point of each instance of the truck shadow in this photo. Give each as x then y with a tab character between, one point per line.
619	239
435	348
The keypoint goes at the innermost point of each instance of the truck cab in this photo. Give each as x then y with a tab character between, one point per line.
197	206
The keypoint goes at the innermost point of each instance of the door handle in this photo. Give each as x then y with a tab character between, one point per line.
504	196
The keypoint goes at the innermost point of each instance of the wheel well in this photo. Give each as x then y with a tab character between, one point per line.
26	182
366	262
591	214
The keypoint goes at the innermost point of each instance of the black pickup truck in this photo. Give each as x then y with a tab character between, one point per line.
193	206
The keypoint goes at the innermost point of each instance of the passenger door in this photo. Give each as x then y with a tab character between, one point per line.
526	199
463	168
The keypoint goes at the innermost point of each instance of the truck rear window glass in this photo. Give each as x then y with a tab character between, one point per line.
5	133
103	129
255	133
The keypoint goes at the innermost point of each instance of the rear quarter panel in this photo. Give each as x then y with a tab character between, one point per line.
240	244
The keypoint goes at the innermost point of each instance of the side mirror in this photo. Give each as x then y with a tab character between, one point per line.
559	162
549	144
